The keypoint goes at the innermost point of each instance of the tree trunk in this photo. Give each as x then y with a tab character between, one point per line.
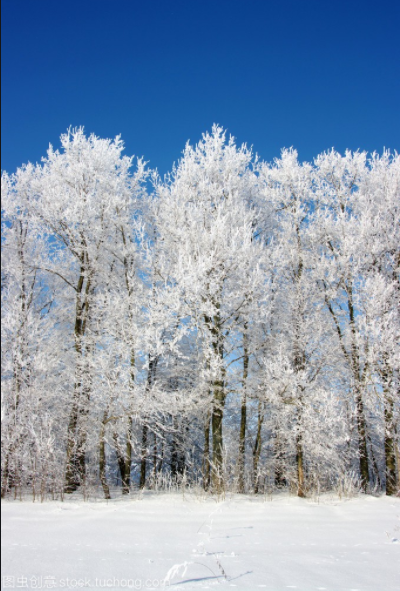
397	448
299	365
102	458
143	464
257	448
300	467
82	431
126	484
390	450
280	480
362	443
242	446
122	465
361	424
161	459
217	413
243	418
151	377
76	439
155	458
216	423
175	444
206	455
72	477
5	478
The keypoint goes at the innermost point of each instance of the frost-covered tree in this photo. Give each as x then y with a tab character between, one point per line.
296	380
206	225
77	192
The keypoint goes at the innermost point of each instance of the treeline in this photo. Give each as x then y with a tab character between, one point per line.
234	325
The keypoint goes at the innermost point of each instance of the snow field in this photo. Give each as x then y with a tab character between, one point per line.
242	542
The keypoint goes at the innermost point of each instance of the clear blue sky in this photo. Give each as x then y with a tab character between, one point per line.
303	73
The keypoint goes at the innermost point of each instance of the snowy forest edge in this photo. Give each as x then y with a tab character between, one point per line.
231	327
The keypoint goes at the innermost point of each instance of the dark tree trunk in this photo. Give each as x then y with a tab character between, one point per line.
243	418
123	465
151	378
357	373
257	448
390	450
76	439
280	480
143	463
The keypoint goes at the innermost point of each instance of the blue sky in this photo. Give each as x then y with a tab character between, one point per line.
302	73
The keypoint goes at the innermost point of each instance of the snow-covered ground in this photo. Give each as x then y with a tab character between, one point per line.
198	543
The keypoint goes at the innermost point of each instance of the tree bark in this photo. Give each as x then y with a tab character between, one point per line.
206	454
126	484
217	438
102	458
219	396
300	468
361	423
122	465
76	439
151	377
390	450
362	442
243	418
299	365
280	480
257	448
143	463
155	457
